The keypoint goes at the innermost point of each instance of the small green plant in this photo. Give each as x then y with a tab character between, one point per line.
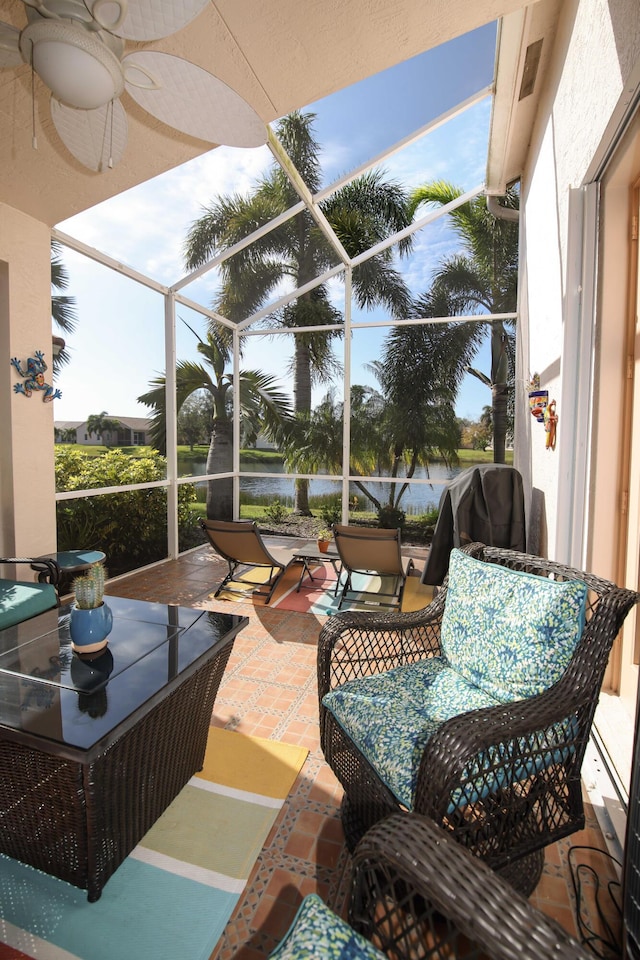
391	517
430	518
276	512
324	533
89	587
331	511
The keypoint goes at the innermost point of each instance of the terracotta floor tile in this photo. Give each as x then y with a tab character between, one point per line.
551	889
300	845
327	853
309	821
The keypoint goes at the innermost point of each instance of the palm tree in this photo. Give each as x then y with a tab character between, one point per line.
420	373
483	279
411	419
63	307
263	407
362	213
194	419
102	424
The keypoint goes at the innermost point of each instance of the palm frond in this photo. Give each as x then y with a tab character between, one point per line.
63	306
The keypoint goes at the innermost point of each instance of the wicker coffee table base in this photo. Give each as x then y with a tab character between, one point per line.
78	821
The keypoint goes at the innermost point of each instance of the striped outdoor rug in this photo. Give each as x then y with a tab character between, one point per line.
175	892
318	596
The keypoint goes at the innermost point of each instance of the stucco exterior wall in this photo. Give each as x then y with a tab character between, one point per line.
596	49
27	483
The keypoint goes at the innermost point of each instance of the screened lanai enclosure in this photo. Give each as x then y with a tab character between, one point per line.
338	298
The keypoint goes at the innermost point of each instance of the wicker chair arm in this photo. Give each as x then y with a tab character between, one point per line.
47	565
357	644
407	871
501	745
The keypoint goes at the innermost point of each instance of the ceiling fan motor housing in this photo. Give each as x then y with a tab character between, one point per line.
76	64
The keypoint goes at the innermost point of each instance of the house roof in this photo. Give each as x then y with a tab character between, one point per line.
279	55
134	423
68	424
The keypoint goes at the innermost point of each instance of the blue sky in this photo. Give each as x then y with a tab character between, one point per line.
119	343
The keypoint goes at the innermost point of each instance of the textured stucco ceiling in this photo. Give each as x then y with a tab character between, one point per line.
278	54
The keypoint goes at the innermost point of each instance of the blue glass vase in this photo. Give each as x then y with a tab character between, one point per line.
90	628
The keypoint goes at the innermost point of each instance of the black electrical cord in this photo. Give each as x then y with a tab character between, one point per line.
606	944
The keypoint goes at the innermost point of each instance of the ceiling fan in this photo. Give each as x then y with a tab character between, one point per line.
77	48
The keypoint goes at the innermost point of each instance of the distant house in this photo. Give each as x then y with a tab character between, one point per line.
132	432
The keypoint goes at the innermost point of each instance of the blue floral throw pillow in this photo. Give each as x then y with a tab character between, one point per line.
317	932
510	633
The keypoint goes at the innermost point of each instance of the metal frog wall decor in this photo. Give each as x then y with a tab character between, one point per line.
33	376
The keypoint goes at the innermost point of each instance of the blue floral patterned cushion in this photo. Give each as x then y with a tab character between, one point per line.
511	633
317	932
390	716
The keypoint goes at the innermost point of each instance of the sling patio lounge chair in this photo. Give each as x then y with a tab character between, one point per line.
240	544
365	551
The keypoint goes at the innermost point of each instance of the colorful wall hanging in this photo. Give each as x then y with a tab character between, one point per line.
550	424
538	400
33	376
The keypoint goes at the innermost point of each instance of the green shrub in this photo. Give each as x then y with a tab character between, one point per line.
390	517
430	517
276	512
129	526
331	510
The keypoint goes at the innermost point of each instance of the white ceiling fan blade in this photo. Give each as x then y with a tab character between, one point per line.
9	46
97	138
144	19
186	97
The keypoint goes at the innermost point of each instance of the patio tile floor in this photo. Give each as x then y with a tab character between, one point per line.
269	690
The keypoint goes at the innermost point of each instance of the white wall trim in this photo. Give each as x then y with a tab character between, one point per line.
576	404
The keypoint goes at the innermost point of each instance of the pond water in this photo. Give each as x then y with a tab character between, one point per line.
417	499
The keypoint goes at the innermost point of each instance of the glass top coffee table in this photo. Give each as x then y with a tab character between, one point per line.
93	750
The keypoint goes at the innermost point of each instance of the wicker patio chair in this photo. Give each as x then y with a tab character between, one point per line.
504	778
416	894
367	550
240	544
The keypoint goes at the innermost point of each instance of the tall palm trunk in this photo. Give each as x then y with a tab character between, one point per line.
499	396
220	460
302	406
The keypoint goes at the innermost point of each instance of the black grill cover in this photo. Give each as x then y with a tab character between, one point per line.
484	503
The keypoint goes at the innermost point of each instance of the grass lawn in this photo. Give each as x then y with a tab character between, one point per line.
482	456
199	453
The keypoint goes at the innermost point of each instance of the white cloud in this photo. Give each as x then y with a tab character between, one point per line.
145	227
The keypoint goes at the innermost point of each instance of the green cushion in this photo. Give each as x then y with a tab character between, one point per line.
317	932
19	601
510	633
